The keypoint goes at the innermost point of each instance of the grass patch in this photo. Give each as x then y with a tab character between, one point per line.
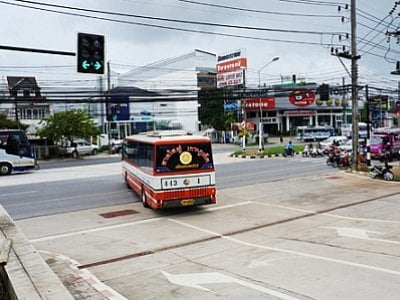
268	151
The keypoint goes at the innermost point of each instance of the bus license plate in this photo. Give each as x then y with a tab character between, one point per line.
187	202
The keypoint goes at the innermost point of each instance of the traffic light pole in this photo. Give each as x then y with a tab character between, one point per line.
11	48
108	107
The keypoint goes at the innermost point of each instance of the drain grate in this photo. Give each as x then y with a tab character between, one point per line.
120	213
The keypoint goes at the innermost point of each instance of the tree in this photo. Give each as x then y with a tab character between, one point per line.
10	124
211	110
68	125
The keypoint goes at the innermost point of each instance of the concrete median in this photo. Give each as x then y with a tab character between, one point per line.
24	274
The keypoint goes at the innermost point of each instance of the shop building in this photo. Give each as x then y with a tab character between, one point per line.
283	108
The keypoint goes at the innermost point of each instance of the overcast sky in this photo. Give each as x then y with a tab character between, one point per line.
132	44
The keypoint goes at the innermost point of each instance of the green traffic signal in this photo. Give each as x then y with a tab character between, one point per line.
90	53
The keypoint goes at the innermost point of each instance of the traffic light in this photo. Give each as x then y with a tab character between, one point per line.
90	53
324	92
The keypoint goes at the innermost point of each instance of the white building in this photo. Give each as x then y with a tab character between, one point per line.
174	83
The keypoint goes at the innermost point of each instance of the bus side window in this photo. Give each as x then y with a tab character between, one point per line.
131	151
145	155
12	146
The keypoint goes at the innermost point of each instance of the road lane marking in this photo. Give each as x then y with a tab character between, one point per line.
358	233
281	250
92	230
110	227
18	194
328	214
195	280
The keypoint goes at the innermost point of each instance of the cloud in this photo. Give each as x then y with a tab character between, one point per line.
137	45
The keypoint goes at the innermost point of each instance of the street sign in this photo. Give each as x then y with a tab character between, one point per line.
90	53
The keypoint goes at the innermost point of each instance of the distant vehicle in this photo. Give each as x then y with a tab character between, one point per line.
381	138
347	130
77	149
169	169
314	133
116	146
16	152
347	146
339	139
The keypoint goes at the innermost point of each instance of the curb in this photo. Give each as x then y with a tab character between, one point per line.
263	156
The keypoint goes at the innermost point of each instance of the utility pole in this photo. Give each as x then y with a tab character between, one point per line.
354	77
353	56
344	117
368	127
16	111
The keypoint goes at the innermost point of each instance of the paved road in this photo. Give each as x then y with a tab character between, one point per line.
334	236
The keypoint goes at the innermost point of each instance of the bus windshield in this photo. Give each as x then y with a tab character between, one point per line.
183	157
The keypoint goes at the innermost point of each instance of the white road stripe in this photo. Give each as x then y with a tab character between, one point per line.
303	254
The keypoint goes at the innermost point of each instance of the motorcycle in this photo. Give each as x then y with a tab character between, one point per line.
317	152
333	159
382	171
307	151
343	160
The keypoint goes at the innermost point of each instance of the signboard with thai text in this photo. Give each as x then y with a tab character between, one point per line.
230	79
231	69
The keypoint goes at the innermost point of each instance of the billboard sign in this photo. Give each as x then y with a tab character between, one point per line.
253	104
230	69
232	65
230	79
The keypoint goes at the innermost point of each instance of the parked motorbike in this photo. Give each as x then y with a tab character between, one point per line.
288	152
307	151
382	171
317	152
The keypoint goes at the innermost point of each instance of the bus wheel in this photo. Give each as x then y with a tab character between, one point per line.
143	198
5	169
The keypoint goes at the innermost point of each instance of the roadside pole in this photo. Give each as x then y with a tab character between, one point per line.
368	128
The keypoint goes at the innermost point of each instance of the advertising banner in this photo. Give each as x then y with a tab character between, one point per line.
230	79
230	69
253	104
232	65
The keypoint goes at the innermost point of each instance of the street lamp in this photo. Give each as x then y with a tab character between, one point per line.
260	127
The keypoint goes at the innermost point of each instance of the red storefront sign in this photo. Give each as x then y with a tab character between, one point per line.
302	97
232	65
255	104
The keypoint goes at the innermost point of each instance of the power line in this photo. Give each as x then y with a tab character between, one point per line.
259	11
168	19
173	28
311	2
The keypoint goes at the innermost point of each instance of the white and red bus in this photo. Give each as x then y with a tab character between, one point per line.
169	169
16	153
